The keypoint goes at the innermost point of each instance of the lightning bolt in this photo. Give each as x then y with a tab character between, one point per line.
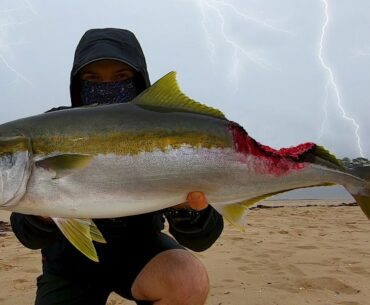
218	8
325	108
9	16
332	83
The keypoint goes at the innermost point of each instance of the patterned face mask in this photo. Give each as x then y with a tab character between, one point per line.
107	93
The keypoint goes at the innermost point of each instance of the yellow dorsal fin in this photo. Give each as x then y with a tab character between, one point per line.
166	93
80	233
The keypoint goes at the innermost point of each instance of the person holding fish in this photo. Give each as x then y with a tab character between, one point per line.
134	150
136	260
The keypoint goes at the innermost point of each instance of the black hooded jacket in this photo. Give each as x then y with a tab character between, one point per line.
197	231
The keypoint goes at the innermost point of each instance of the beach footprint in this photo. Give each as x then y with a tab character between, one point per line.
22	284
294	270
5	267
308	247
327	283
359	270
240	260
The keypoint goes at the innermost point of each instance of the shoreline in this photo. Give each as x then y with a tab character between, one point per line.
289	255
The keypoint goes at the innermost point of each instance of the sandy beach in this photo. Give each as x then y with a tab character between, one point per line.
300	252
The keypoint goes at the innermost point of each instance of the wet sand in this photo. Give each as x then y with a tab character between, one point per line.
300	252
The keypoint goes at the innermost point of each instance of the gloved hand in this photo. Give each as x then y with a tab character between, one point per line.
194	200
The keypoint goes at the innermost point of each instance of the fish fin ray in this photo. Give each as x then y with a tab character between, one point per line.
65	164
166	93
81	233
96	235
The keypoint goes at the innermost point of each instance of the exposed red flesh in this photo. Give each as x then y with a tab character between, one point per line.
277	161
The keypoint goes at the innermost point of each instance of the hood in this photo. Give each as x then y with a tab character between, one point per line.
108	43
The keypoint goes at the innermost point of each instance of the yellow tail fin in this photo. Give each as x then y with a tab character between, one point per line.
362	195
364	203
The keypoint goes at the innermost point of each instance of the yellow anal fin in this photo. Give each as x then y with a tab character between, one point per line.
80	233
65	164
250	202
167	94
235	212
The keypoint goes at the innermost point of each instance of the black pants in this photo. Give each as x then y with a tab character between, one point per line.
115	273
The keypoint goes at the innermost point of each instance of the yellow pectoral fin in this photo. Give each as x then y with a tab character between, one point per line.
65	164
80	233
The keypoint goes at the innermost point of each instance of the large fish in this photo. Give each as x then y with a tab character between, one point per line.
125	159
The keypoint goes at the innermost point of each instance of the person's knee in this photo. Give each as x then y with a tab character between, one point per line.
197	283
179	277
188	279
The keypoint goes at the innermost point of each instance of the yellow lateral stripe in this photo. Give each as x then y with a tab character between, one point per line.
127	143
13	145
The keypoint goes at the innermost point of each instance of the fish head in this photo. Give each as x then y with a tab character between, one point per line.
15	169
